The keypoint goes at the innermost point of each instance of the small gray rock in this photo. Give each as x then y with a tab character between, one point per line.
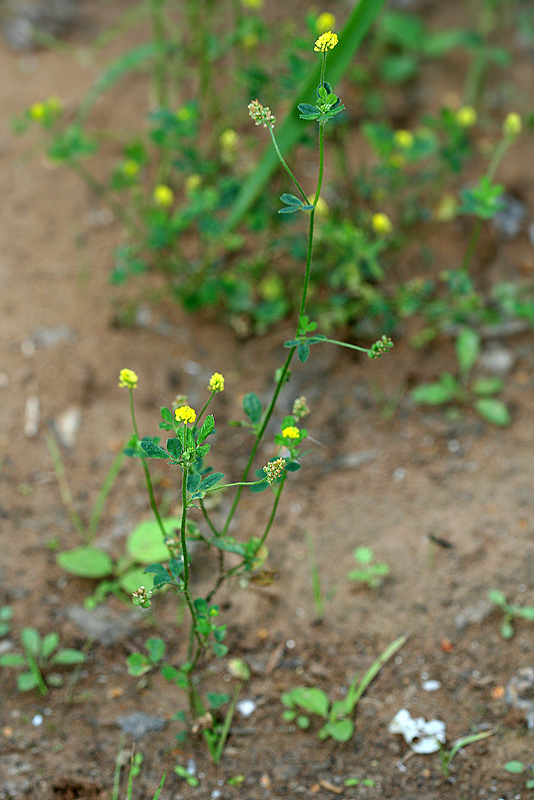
103	625
28	18
138	724
50	335
519	693
66	426
473	615
509	219
497	360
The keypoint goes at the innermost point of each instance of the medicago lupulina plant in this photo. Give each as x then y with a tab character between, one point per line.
187	448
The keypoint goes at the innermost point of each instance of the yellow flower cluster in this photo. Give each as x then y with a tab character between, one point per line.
216	383
327	41
291	432
466	117
128	379
185	414
325	22
381	224
163	196
403	139
45	111
512	125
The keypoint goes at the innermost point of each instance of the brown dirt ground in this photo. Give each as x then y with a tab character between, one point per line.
464	482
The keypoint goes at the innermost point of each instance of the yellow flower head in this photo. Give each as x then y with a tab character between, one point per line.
193	182
38	111
327	41
403	139
185	414
54	105
130	168
466	117
325	22
291	432
128	378
163	196
228	139
216	383
381	224
512	125
255	5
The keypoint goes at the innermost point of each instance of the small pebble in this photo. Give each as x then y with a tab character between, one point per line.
246	707
431	686
32	417
399	474
37	721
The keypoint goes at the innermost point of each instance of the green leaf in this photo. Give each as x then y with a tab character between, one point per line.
494	411
153	450
341	730
303	722
193	482
68	655
290	199
433	394
86	562
131	581
137	665
515	767
497	597
210	481
524	613
145	544
31	641
311	699
252	407
174	446
156	648
26	682
364	555
166	415
487	386
219	649
216	699
174	675
50	643
467	347
303	352
208	426
289	132
12	660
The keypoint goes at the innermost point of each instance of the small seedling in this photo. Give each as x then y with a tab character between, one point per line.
6	614
319	598
517	767
360	782
463	390
311	700
40	655
139	664
510	612
447	755
184	773
136	761
369	571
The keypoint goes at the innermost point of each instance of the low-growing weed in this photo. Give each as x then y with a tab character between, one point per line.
136	761
41	655
447	755
463	389
517	768
339	725
369	571
511	612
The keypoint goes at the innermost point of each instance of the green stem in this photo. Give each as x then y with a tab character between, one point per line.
345	344
185	557
101	192
286	166
148	481
274	509
471	246
212	527
225	730
312	222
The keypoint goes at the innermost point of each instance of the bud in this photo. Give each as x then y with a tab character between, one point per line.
274	470
512	125
261	114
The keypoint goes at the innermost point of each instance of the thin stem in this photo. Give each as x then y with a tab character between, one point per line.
259	436
345	344
160	65
312	221
208	520
225	730
185	556
148	481
101	191
286	166
274	509
471	246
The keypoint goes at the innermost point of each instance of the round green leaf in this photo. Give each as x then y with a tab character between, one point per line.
493	411
133	579
86	562
26	682
145	544
69	655
514	766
